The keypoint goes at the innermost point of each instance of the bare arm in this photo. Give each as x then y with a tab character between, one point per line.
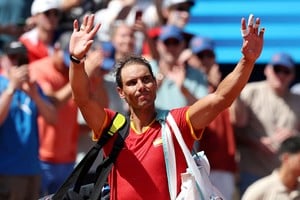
80	43
206	109
60	97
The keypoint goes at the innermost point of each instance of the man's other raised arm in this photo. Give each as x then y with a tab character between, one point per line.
203	111
80	43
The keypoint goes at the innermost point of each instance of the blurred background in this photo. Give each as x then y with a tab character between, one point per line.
219	19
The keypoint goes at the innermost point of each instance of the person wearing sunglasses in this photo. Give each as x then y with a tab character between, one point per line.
202	57
265	114
176	78
171	12
39	40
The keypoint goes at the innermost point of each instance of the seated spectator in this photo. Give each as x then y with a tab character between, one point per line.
264	115
284	182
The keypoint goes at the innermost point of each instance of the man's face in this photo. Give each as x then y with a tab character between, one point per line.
139	87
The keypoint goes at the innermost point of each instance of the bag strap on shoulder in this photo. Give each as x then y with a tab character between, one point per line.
119	124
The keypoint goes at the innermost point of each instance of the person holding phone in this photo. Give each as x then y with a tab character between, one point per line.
21	102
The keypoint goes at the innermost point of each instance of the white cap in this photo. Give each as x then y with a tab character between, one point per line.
168	3
40	6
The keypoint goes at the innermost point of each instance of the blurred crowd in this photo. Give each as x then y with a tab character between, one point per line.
43	135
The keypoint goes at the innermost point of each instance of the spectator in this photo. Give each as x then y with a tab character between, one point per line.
128	11
218	140
172	12
177	12
265	114
284	182
139	171
40	40
21	102
58	144
203	57
175	78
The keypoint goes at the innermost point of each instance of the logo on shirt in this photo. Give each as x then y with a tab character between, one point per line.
157	142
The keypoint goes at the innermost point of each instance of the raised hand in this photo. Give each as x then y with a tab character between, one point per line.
18	75
82	38
252	38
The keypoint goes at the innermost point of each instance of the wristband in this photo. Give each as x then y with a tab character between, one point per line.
76	60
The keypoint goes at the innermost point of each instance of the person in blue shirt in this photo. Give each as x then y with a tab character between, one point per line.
21	103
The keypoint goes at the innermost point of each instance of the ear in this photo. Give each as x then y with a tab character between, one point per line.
121	93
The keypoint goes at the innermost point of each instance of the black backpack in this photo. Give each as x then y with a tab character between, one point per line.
74	188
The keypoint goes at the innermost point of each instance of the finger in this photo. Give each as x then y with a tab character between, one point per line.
90	23
256	25
89	44
250	20
261	32
251	23
244	30
93	32
75	25
84	23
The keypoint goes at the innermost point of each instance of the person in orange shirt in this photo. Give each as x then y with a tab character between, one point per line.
39	40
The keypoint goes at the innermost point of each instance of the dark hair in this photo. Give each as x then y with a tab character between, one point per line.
129	60
290	145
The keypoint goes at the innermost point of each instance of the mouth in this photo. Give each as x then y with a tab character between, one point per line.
143	97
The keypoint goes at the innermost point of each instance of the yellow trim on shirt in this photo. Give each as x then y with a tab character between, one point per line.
187	118
97	135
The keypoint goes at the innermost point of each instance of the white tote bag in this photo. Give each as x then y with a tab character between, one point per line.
195	181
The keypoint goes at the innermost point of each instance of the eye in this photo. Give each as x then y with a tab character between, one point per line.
147	79
131	82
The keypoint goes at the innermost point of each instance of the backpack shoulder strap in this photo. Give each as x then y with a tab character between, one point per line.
105	167
76	177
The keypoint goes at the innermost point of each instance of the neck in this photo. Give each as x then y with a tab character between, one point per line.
141	119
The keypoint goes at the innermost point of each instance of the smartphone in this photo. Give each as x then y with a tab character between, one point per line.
138	15
22	60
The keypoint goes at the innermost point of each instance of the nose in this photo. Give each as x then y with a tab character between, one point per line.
140	85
